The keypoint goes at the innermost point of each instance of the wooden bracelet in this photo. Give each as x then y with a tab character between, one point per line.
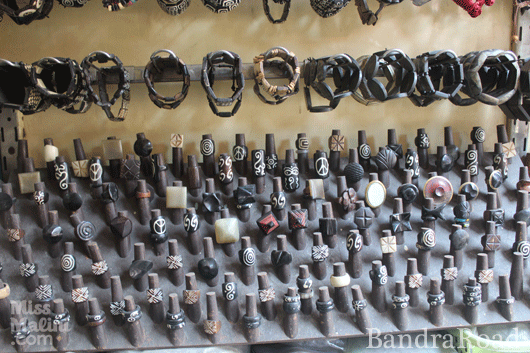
286	6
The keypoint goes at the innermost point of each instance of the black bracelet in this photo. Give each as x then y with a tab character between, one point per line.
156	66
359	305
34	10
133	315
286	6
435	299
400	302
96	320
175	321
223	59
324	307
252	322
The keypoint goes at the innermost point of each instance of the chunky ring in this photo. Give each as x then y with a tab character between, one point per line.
304	283
191	296
252	322
15	234
211	327
159	65
133	315
400	302
340	281
291	305
306	295
5	291
267	294
143	195
175	321
359	305
435	299
324	307
80	295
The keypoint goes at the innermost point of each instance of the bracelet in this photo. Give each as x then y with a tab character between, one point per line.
133	315
435	299
289	64
400	302
68	263
175	321
44	292
223	59
504	301
211	327
15	234
123	89
304	283
359	305
472	295
96	320
266	294
485	276
324	307
221	6
116	308
252	322
143	195
285	13
450	273
292	305
28	269
229	290
174	8
319	253
432	67
326	9
155	295
174	262
339	281
191	296
99	268
160	64
80	295
5	291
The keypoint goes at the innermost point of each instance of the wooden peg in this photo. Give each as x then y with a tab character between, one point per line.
132	314
524	179
212	324
436	300
40	197
80	165
271	158
328	225
386	159
7	203
364	150
50	153
100	268
408	191
302	150
297	224
211	202
158	235
430	213
191	226
359	305
291	308
121	227
388	248
28	268
325	307
230	295
15	236
258	170
68	266
449	144
155	298
363	219
22	153
194	176
96	323
426	241
354	245
413	281
208	155
251	320
478	136
346	197
266	297
244	199
521	242
281	260
400	304
140	277
290	172
174	264
472	299
305	289
310	203
319	254
160	174
340	281
143	148
130	172
143	202
226	175
449	274
379	278
484	275
109	197
263	241
240	152
19	327
177	141
113	152
399	221
459	239
53	234
491	242
392	144
192	297
247	258
80	298
505	300
175	321
422	143
117	303
208	267
5	305
516	276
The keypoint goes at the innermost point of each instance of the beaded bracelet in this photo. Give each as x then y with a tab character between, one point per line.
175	321
286	6
156	66
288	64
223	59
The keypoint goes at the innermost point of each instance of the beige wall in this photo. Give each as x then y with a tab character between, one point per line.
133	34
